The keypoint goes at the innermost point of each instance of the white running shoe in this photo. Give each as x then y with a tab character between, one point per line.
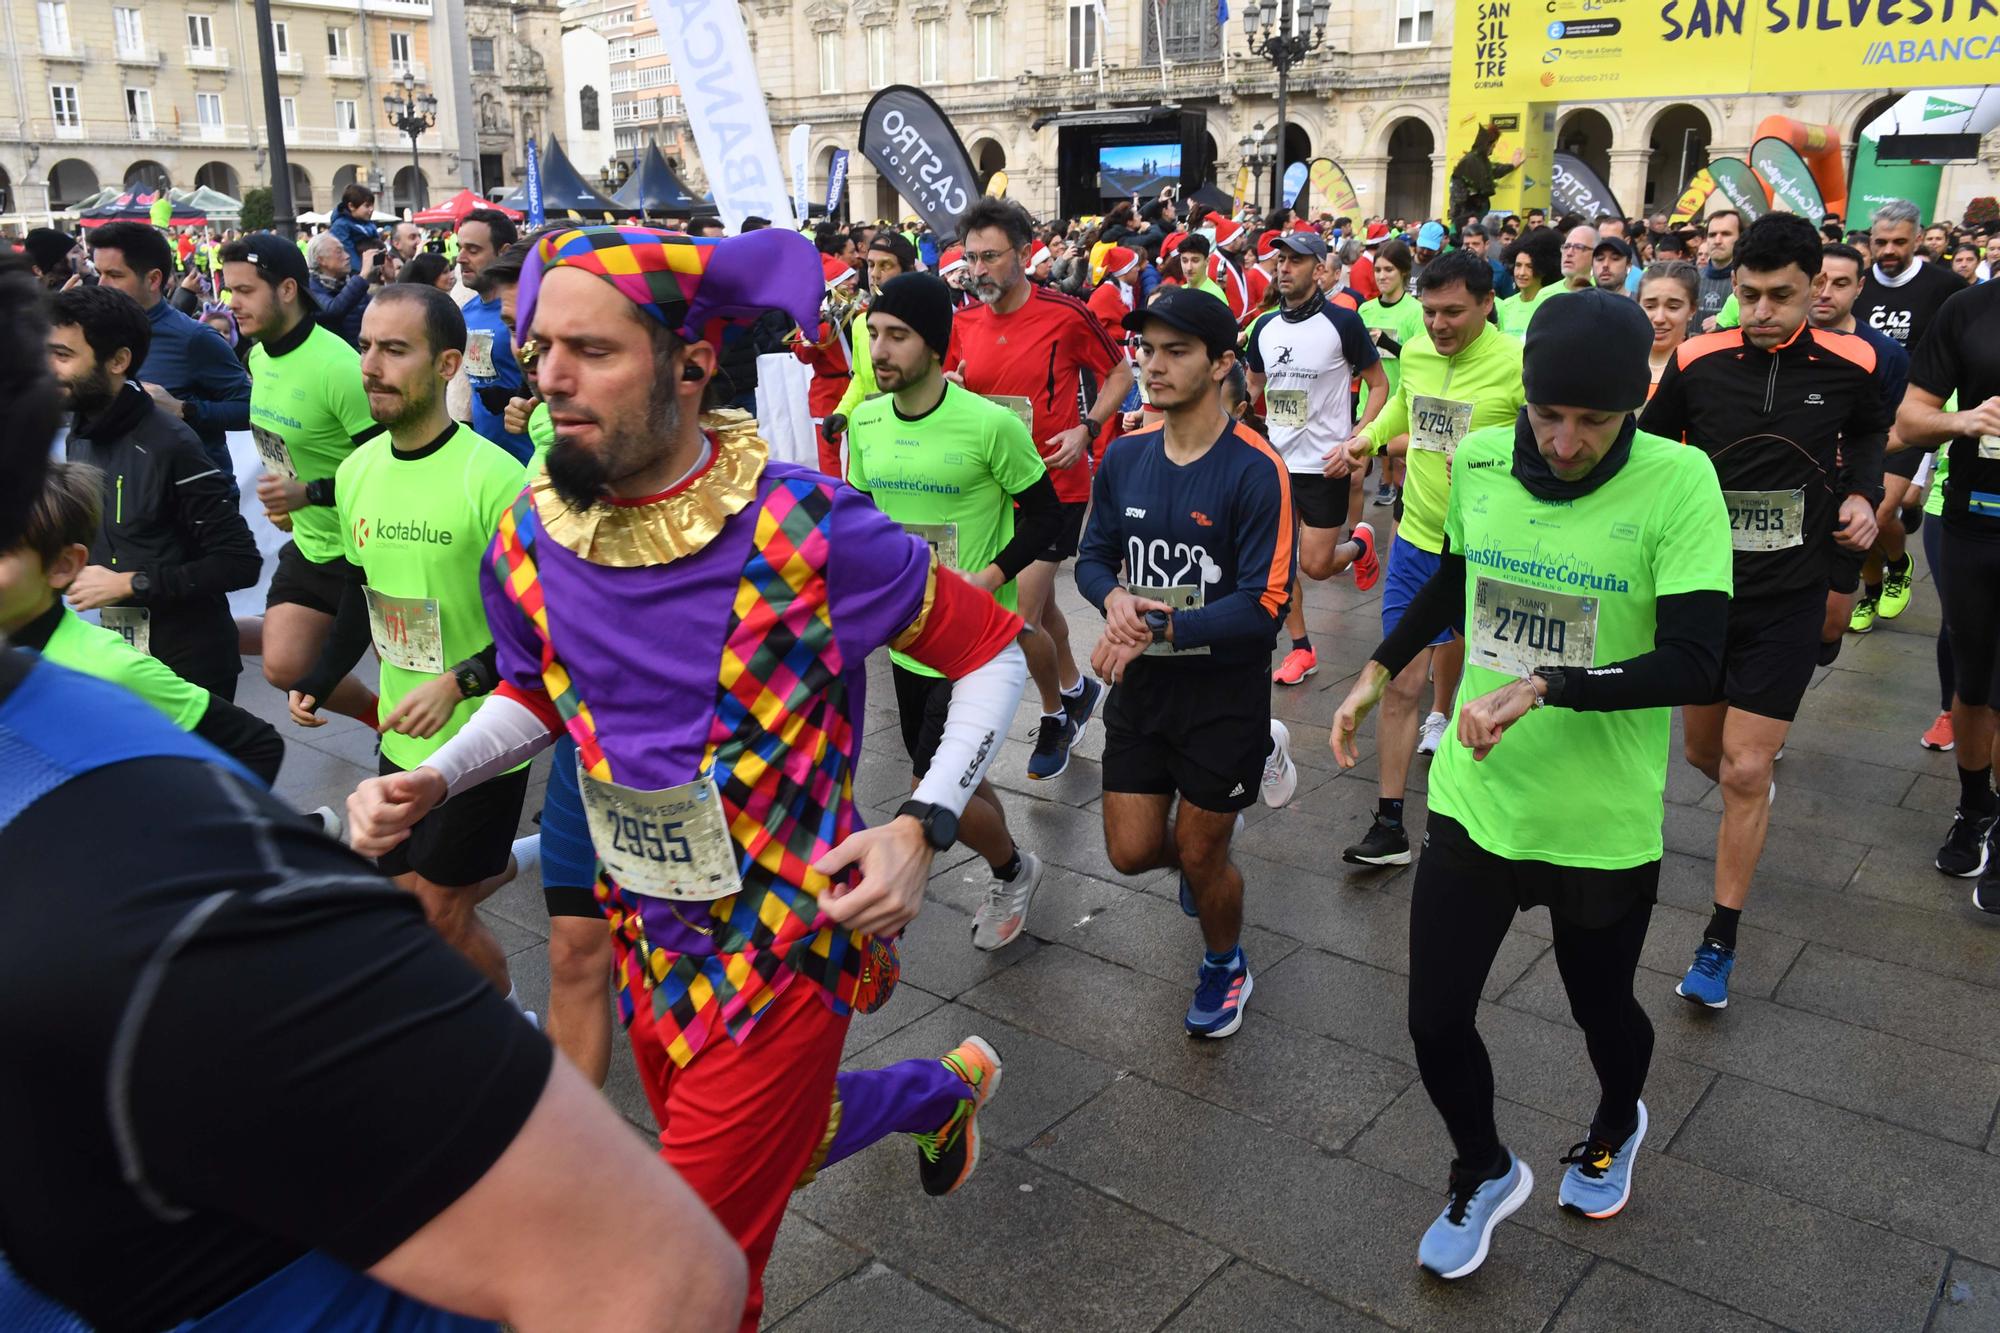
1432	734
1281	776
1004	915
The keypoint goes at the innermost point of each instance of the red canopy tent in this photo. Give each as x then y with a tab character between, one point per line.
453	210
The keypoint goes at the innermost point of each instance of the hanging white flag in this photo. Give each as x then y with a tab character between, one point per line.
726	109
801	143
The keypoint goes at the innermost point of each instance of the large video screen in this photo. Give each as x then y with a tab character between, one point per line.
1138	168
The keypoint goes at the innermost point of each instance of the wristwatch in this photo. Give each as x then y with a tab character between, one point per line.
1157	622
1553	680
142	583
940	825
470	686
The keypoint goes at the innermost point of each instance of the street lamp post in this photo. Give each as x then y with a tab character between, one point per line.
1283	32
1253	154
412	114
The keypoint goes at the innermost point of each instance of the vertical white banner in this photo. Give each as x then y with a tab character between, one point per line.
725	108
801	143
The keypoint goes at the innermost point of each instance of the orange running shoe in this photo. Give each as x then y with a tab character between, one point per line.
1298	664
947	1157
1367	569
1939	737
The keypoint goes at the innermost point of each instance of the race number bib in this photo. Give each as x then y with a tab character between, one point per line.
134	624
1516	629
272	452
1285	407
1438	424
1989	448
942	538
479	354
1019	406
664	844
1179	597
407	632
1766	520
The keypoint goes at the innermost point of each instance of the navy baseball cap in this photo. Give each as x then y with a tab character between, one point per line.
1308	243
1190	311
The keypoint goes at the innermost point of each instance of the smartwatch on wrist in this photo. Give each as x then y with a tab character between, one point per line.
1553	681
142	583
470	686
940	825
1157	622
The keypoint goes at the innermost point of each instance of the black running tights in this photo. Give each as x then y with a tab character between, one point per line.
1464	900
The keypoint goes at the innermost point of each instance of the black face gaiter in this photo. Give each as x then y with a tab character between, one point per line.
1533	471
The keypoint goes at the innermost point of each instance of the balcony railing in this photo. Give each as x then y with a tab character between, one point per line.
145	131
140	54
64	129
399	69
64	48
343	67
208	57
289	62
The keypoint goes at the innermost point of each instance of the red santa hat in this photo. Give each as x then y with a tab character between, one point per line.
837	271
951	260
1119	261
1226	230
1039	258
1267	245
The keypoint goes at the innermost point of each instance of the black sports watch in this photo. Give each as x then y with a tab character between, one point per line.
1158	621
142	583
940	824
1553	679
470	686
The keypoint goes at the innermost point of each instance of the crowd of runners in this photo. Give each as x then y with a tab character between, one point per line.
265	1071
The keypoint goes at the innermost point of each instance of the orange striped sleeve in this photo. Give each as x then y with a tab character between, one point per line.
1278	578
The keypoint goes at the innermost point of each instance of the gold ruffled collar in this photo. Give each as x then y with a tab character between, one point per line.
632	536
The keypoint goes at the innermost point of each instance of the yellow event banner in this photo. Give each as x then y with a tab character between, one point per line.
1515	61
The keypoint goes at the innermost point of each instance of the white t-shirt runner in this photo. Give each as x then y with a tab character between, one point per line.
1309	363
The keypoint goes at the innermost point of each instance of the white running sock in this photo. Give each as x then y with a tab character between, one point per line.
528	852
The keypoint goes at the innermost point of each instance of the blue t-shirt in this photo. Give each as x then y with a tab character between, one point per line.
490	365
1221	525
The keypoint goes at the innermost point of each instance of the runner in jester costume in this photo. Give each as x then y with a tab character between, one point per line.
698	618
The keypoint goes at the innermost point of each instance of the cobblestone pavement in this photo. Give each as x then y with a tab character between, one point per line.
1823	1154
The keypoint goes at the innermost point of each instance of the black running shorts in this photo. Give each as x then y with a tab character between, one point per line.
1320	501
301	581
1200	729
466	840
1772	651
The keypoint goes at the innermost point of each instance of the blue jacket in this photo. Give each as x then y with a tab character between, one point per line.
487	334
191	361
1503	281
350	231
340	308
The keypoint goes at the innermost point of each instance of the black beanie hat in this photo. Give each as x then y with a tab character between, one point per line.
923	301
1588	349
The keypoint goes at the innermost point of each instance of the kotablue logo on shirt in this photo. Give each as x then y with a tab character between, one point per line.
404	530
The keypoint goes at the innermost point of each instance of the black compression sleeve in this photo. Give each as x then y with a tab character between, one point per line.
245	737
1036	524
1685	666
345	645
1861	466
320	492
1434	609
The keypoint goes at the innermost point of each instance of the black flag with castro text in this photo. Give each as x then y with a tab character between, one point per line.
911	142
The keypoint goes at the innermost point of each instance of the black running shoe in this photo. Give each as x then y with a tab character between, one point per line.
1967	847
1386	845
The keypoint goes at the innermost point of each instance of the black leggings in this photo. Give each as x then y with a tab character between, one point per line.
1970	595
1463	903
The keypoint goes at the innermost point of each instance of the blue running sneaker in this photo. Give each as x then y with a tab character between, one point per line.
1707	981
1081	706
1219	997
1053	737
1456	1243
1599	1179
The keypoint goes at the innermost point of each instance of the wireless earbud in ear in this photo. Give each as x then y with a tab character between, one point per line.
691	373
